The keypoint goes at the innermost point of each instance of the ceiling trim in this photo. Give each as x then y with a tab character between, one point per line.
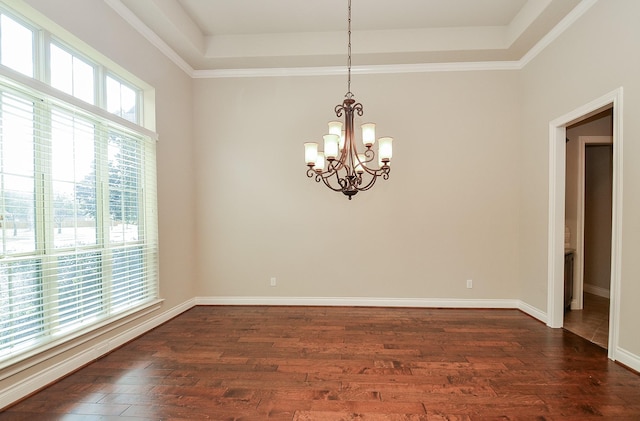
154	39
365	70
150	36
552	35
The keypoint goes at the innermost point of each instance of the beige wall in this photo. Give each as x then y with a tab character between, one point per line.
592	58
448	213
99	26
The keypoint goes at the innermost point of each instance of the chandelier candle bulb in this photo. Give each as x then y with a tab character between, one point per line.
331	142
368	134
310	153
385	148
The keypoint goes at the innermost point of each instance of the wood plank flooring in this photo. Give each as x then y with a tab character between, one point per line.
342	363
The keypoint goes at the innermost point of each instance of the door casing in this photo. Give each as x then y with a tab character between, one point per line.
555	249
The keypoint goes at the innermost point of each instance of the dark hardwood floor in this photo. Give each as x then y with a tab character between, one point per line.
338	363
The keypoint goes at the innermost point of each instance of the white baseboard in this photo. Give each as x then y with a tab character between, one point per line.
627	358
360	302
600	292
532	311
31	384
376	302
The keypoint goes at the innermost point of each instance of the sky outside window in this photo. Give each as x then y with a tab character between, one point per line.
72	75
16	46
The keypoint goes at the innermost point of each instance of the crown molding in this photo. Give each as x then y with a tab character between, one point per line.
154	39
150	36
363	70
557	30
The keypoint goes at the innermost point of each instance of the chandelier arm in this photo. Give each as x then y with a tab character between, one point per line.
333	169
326	177
358	109
337	164
375	172
370	155
342	183
370	184
384	174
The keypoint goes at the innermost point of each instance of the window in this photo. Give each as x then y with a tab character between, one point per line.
16	46
71	74
78	228
121	99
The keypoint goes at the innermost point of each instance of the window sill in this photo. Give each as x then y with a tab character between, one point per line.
39	354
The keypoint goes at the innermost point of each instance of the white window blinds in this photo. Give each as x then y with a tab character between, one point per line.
78	226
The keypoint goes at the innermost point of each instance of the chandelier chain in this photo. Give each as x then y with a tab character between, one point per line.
349	94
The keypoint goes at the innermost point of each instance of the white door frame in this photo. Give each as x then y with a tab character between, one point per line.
577	302
557	164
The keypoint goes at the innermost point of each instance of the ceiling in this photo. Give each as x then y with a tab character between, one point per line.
204	35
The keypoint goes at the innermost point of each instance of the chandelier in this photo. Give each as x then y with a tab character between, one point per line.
341	167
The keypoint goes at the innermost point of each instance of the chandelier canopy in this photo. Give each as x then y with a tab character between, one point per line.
341	167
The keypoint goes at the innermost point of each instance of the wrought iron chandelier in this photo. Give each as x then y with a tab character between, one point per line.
340	166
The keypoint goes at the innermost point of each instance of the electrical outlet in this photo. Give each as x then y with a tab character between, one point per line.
273	281
469	283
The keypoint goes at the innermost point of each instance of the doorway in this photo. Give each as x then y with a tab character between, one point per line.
557	217
588	212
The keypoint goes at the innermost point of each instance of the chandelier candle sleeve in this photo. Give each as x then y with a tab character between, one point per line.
385	148
368	134
335	127
331	142
310	153
319	165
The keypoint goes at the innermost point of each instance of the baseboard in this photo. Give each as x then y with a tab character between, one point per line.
372	302
33	383
532	311
627	358
600	292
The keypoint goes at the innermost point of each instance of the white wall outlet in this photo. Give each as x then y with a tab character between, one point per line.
469	283
273	281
